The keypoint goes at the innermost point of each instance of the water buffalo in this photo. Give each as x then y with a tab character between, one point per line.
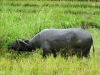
74	40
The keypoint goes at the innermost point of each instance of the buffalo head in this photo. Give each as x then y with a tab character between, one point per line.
20	45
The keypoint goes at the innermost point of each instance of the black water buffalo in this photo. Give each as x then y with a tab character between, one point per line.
74	40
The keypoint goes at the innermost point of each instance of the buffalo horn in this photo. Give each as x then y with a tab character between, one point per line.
23	41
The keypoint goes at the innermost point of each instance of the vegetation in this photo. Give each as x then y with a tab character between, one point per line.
24	19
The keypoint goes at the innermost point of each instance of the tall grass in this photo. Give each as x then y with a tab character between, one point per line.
17	21
34	64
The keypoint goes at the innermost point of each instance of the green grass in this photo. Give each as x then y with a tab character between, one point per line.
34	64
20	21
66	6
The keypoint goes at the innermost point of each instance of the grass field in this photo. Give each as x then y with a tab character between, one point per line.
24	19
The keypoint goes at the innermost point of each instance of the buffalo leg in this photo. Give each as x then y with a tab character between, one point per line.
46	49
87	52
46	52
